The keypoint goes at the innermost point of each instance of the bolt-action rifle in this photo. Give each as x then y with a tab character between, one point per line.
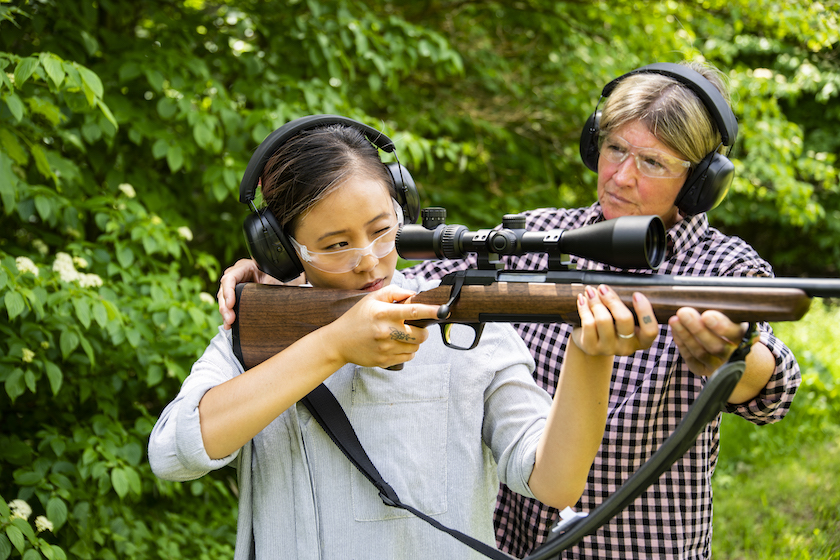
270	318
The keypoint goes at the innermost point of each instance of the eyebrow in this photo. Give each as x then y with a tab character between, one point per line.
660	150
338	232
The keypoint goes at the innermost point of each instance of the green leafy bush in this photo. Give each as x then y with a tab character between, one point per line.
100	326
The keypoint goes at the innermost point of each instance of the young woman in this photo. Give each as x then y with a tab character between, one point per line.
443	431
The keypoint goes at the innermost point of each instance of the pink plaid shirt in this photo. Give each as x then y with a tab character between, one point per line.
650	393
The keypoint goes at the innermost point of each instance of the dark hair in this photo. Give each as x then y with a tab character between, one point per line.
314	163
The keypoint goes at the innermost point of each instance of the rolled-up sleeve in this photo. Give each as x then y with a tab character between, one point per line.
515	409
775	399
176	447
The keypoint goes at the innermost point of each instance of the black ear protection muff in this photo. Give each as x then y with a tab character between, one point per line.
709	181
268	244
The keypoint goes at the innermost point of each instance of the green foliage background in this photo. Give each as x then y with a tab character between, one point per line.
125	128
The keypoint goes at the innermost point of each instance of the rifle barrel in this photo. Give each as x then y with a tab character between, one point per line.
813	287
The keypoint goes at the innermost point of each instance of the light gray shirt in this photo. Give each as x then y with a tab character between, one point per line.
442	432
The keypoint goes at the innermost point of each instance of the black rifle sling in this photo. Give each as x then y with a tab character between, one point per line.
324	407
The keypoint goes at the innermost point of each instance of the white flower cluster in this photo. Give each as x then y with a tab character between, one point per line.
28	355
127	190
40	246
66	268
185	233
206	298
20	509
25	264
43	524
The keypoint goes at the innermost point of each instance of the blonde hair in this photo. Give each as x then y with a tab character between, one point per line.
670	111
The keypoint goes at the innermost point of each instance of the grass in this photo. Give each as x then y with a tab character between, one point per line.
777	487
788	509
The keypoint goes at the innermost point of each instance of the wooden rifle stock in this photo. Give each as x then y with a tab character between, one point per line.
270	318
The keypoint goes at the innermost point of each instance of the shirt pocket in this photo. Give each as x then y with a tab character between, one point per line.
401	420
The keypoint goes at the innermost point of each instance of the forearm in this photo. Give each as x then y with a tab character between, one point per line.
574	429
760	365
234	412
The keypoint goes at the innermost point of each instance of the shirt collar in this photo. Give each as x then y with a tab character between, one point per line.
684	235
593	215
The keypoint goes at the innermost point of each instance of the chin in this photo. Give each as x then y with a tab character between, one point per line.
611	213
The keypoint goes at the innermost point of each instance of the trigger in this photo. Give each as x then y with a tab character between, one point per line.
445	309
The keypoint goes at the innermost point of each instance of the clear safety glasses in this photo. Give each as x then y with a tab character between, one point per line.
345	260
649	161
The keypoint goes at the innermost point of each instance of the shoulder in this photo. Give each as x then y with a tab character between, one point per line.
709	252
737	257
219	357
556	218
414	283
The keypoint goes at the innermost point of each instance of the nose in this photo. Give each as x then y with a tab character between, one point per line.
626	171
367	262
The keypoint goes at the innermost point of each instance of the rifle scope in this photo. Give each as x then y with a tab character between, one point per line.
629	242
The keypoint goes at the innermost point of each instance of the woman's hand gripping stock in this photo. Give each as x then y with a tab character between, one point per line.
374	333
607	325
575	425
707	340
243	270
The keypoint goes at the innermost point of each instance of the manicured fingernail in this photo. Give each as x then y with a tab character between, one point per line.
603	289
590	293
581	299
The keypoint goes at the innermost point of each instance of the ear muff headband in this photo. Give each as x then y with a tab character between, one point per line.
711	97
256	165
709	181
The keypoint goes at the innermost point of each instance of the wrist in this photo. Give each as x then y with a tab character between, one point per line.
330	352
581	347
